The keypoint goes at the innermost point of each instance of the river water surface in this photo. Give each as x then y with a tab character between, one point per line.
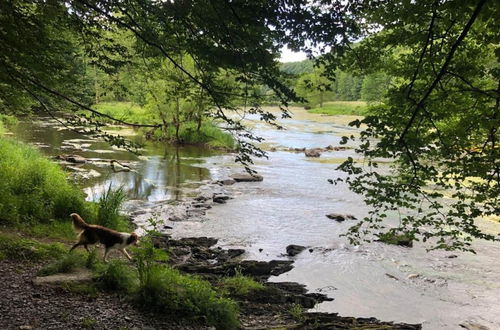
438	289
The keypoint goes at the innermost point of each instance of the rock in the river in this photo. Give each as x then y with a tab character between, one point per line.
227	182
247	177
221	199
340	217
77	159
194	241
312	153
471	325
293	250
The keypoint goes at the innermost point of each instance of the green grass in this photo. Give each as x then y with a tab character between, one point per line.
32	188
358	108
125	111
240	285
117	276
17	248
166	290
66	264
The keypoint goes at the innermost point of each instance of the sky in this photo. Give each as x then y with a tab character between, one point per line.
288	56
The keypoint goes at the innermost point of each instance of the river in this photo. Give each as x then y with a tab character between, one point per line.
438	289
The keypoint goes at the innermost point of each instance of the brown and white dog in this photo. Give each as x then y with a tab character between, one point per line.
92	234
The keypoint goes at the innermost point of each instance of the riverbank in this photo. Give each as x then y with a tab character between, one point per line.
30	303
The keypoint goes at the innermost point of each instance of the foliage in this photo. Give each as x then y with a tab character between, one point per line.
358	108
439	121
240	284
34	189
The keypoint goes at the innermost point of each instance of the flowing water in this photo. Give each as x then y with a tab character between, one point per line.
439	289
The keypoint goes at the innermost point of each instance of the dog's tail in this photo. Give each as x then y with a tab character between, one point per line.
78	223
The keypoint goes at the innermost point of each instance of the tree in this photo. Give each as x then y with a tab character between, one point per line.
439	123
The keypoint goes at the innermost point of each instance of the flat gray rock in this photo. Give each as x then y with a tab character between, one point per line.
247	178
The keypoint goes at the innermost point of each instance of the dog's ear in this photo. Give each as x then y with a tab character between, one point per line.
135	238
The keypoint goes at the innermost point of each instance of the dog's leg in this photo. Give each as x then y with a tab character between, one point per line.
86	248
126	254
75	246
106	254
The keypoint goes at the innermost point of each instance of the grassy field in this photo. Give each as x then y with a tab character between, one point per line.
358	108
126	111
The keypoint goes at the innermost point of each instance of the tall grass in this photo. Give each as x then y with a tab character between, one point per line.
108	209
240	285
32	188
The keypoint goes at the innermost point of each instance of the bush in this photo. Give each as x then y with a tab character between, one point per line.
33	189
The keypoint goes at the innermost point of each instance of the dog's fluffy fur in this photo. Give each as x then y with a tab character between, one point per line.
92	234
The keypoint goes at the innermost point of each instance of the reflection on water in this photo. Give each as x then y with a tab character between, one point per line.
161	172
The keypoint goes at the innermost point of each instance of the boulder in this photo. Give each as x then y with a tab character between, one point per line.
312	153
340	217
293	250
247	177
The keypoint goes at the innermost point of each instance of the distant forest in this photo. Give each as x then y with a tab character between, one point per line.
310	83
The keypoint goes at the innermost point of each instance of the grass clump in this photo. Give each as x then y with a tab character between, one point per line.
66	264
17	248
108	209
34	189
396	238
168	291
357	108
117	276
240	285
297	313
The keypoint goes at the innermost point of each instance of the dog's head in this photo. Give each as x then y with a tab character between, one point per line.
133	239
